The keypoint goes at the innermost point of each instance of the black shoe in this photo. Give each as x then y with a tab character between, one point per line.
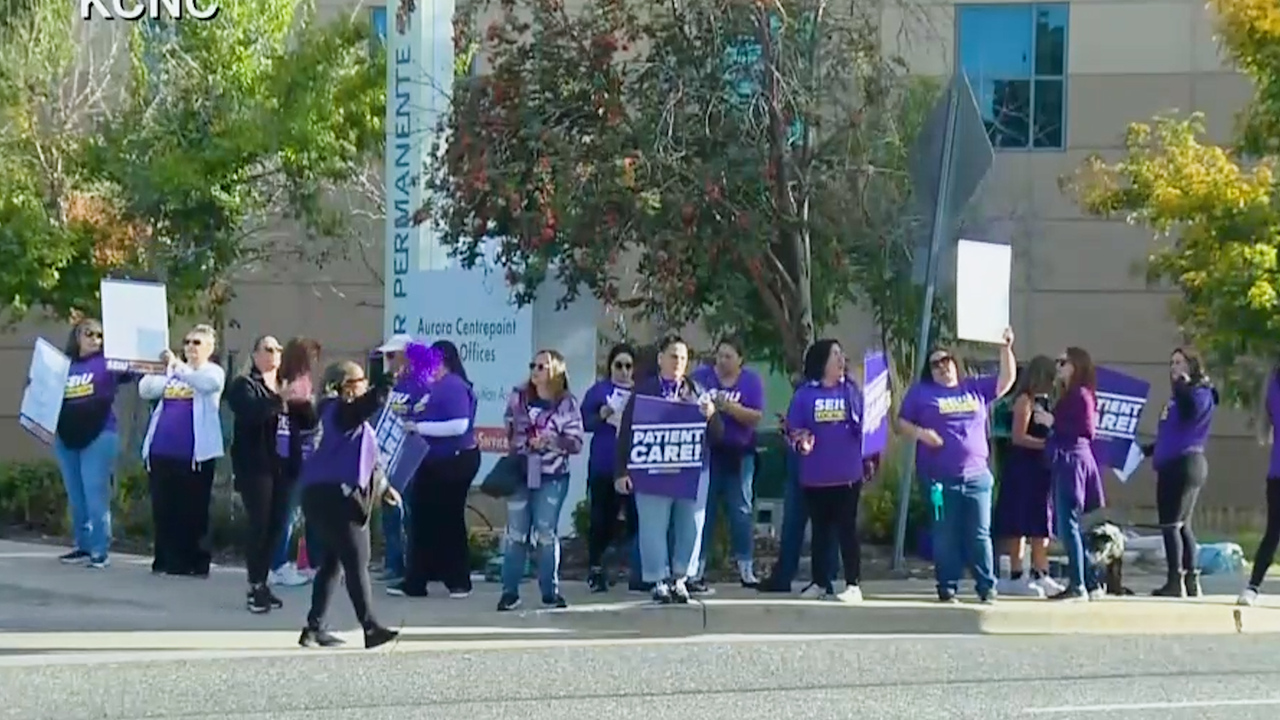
377	636
276	602
1071	593
662	594
699	586
1192	584
319	637
402	590
597	582
258	600
773	585
680	593
75	557
1174	587
508	602
555	602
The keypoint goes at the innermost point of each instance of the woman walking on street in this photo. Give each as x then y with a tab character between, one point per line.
545	425
601	412
1181	468
181	449
86	442
1268	434
338	495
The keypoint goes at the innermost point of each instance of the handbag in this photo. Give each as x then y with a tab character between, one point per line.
507	476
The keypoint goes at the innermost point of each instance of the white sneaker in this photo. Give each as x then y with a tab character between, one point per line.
1097	594
287	575
1022	587
1049	585
814	591
1248	598
747	573
850	595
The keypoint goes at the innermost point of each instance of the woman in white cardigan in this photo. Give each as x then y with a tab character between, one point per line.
183	443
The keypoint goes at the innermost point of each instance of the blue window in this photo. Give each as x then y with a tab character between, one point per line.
378	19
1015	57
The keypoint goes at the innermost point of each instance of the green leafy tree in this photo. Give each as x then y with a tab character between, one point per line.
711	162
1215	210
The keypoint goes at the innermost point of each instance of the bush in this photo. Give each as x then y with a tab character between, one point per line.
878	513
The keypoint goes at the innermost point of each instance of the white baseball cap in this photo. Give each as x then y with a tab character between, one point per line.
394	344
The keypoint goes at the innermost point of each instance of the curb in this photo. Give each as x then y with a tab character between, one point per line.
1119	616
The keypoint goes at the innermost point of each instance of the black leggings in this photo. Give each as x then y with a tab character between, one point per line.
605	504
181	491
1270	537
1178	485
834	511
266	497
439	543
335	519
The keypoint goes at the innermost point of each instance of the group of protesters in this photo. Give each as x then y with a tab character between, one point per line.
298	443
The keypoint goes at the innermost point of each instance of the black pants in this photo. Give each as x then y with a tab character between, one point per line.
834	511
1266	554
335	518
1178	485
180	494
605	503
266	496
439	544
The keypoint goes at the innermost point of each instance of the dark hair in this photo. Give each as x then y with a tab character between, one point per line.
1083	372
815	359
72	348
926	374
615	351
1195	364
732	342
297	358
250	368
667	341
452	360
1036	377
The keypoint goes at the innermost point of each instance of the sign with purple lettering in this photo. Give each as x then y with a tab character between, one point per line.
1120	401
668	440
875	403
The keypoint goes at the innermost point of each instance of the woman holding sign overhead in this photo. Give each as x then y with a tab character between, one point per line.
824	425
183	443
946	414
85	443
670	508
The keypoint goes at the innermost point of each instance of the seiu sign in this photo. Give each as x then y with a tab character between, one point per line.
135	10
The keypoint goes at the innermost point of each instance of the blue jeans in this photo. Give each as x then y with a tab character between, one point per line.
795	517
733	485
314	548
393	538
87	476
1068	515
671	534
533	519
962	533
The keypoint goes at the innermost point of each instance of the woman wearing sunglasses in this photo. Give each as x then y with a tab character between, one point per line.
946	414
182	446
85	443
601	412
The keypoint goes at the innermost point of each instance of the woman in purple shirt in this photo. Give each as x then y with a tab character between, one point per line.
1268	434
946	413
1181	468
1077	484
601	412
739	397
86	442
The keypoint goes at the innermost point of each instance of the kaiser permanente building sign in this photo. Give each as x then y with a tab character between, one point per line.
426	294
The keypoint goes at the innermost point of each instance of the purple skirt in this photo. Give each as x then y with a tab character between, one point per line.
1024	506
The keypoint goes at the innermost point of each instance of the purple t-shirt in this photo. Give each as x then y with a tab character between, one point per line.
1177	435
407	400
833	415
86	403
175	435
959	415
451	398
307	439
604	436
748	391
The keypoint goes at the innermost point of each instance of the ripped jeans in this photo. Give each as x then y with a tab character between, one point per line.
533	519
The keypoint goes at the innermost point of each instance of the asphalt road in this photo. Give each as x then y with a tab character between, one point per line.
709	678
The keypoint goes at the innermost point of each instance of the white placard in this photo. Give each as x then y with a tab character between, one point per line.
46	385
983	277
1131	463
135	323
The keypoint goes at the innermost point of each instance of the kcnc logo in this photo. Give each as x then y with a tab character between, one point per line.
148	9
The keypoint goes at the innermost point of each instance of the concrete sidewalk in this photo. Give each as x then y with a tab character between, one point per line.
51	607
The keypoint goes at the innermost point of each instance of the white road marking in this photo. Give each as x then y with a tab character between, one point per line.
1121	707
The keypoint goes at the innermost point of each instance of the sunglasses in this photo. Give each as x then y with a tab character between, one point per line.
536	366
622	366
352	382
197	342
272	349
941	361
92	334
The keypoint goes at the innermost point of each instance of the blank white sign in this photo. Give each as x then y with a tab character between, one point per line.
983	276
135	322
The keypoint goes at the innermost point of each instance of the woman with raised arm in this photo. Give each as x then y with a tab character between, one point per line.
181	450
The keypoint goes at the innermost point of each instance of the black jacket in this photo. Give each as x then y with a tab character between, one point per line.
257	410
652	386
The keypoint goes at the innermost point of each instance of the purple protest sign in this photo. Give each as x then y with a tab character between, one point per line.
667	446
1121	398
875	403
